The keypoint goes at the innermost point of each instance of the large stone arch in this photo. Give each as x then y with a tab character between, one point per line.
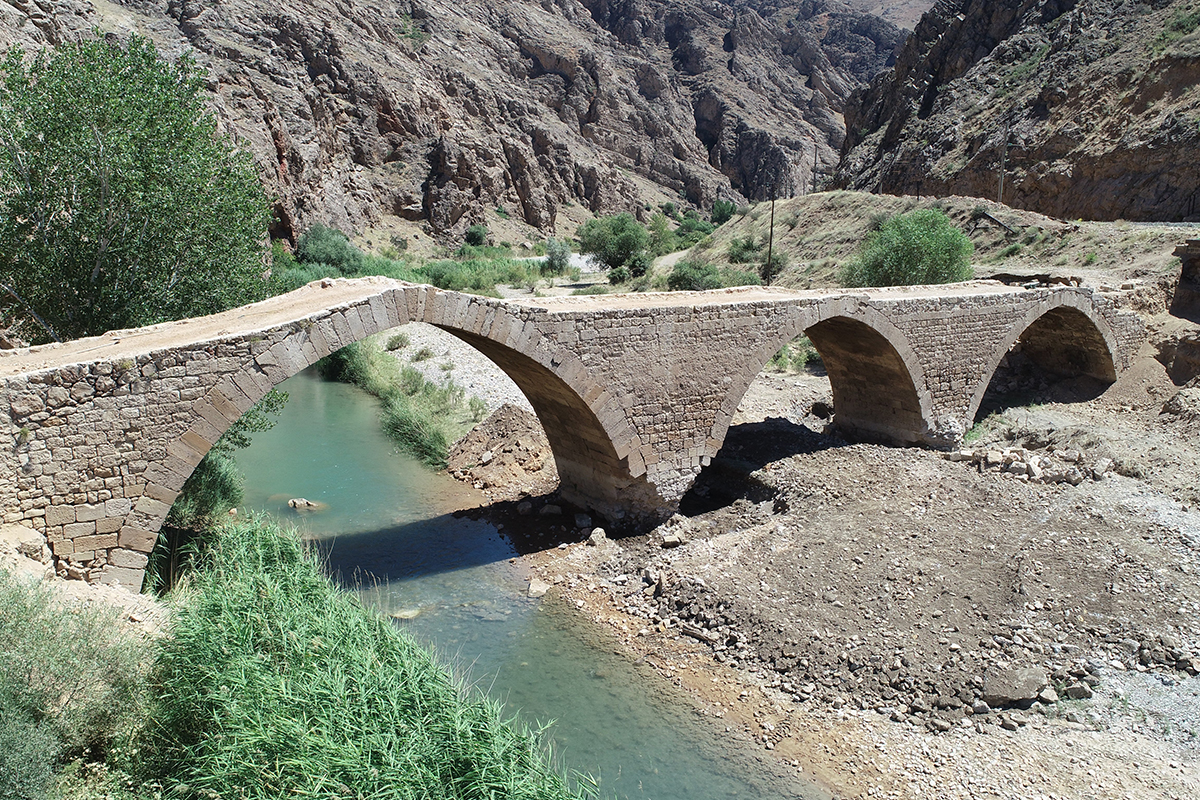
1064	336
592	442
878	383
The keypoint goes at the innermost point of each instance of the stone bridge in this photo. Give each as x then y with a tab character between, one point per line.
636	392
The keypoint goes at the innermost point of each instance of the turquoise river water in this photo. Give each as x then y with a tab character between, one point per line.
388	530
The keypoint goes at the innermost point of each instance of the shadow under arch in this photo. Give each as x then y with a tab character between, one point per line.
874	394
591	472
1065	342
878	384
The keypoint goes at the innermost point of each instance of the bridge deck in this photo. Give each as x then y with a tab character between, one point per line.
315	298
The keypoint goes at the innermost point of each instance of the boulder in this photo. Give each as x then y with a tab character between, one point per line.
538	587
1014	687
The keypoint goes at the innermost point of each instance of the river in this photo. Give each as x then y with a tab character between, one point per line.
390	532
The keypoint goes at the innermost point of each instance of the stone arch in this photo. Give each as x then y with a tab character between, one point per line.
595	447
1064	336
862	351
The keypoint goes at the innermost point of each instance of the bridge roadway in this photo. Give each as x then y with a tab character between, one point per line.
635	392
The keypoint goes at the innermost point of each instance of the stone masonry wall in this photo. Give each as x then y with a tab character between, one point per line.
636	395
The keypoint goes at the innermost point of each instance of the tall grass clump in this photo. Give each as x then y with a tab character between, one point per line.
69	685
920	247
276	684
417	433
421	416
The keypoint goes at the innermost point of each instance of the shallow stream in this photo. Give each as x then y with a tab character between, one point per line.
388	529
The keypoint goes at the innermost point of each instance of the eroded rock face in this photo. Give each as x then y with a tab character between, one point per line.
356	110
1095	96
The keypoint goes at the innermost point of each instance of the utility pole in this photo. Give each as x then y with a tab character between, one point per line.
771	237
1003	158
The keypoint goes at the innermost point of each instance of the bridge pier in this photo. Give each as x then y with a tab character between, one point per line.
636	392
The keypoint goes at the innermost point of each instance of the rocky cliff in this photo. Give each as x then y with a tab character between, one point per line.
1091	106
359	111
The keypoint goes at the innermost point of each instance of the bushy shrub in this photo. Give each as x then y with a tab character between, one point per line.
476	235
69	683
772	268
795	356
619	275
919	247
595	288
744	250
613	240
640	263
397	341
558	257
692	225
722	211
689	276
329	246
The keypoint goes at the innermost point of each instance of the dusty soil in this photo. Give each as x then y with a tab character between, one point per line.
869	612
24	555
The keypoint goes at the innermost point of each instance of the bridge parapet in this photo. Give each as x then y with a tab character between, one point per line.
636	392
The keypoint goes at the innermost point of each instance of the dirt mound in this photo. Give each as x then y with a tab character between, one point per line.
508	454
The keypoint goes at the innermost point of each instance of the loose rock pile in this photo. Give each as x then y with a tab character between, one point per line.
1059	466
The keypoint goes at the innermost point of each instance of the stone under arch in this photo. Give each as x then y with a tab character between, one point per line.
591	443
878	383
1067	340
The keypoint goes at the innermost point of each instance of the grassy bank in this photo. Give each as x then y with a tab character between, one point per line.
421	416
272	683
277	684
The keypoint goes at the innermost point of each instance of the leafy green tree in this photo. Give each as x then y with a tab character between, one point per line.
722	211
919	247
120	205
613	240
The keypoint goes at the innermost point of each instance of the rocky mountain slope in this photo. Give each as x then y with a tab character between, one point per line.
1092	106
362	114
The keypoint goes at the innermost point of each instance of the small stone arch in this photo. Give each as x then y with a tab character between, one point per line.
862	352
595	448
1064	336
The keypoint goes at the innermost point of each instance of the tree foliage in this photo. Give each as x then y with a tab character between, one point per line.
613	240
120	205
688	276
722	211
558	257
476	235
919	247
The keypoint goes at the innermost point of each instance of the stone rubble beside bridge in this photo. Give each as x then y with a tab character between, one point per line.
636	392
